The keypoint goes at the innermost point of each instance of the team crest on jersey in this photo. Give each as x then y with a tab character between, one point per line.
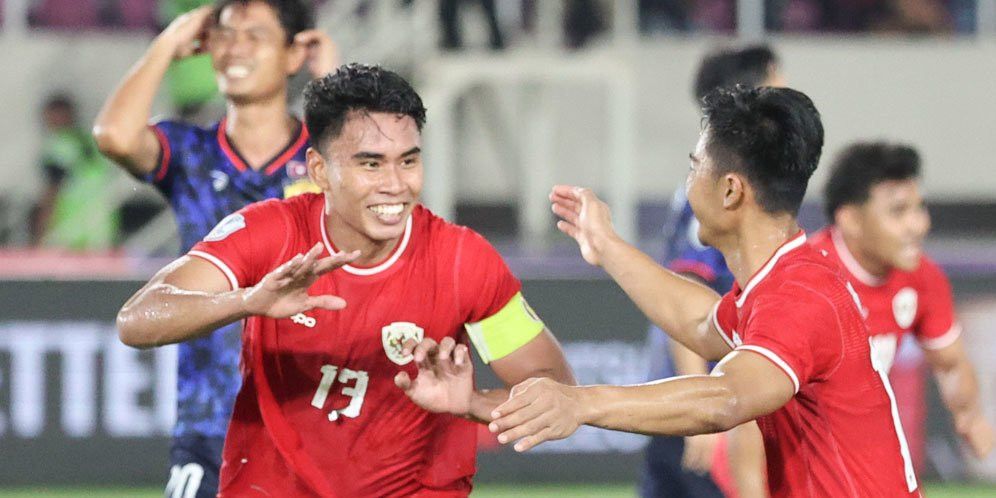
231	224
219	180
394	336
904	307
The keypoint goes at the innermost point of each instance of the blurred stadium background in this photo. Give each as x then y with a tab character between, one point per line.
590	92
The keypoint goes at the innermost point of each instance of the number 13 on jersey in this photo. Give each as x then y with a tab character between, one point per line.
356	391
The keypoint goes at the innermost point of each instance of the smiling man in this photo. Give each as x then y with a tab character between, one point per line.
793	348
879	223
332	399
255	152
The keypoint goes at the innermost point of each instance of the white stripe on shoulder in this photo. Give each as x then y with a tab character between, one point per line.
234	282
944	340
769	354
786	248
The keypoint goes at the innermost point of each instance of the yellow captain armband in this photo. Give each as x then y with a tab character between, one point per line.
505	331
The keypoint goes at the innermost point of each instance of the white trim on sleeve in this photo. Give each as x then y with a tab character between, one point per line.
767	353
234	282
943	341
715	323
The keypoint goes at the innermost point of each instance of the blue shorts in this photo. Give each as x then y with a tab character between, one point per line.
194	463
664	477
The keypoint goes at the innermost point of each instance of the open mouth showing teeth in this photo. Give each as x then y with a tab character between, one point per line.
237	71
387	209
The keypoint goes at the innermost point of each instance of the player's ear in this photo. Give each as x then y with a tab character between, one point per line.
317	169
734	190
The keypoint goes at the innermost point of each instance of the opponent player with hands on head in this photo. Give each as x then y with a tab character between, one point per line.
336	290
256	152
794	350
878	224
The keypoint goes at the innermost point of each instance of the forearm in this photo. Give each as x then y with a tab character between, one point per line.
676	304
687	362
959	389
165	314
682	406
120	125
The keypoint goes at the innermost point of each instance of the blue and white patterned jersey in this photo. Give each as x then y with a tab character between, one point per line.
205	179
684	253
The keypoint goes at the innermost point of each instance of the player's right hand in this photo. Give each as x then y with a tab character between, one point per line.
284	291
584	217
188	33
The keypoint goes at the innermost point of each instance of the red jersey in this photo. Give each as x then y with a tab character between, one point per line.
840	434
318	412
917	302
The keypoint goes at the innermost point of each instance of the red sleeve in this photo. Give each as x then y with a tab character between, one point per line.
483	281
795	332
935	327
724	318
247	244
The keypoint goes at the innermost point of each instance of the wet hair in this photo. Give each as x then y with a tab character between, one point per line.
726	68
773	136
295	15
329	100
861	166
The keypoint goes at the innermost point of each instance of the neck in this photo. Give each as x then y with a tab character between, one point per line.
867	262
259	129
752	244
346	238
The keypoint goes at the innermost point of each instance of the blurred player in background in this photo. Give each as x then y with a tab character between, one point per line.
795	352
330	403
257	151
878	224
682	467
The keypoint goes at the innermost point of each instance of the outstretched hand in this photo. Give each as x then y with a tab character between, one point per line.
321	53
284	291
584	217
537	410
445	379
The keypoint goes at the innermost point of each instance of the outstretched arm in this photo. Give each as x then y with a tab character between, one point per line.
744	386
121	129
676	304
445	380
960	391
191	297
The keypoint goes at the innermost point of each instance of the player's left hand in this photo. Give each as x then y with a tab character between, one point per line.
977	432
538	410
322	54
445	379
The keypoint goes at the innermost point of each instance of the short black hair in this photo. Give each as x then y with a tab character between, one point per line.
295	15
729	67
861	166
357	87
773	136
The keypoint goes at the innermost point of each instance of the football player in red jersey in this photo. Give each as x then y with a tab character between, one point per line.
795	353
878	224
330	400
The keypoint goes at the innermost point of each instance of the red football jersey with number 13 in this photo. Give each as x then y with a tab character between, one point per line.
840	434
318	413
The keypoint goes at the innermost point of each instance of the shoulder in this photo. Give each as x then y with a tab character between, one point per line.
175	131
929	272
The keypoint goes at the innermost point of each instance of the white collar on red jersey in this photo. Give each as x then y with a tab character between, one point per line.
850	262
373	270
787	247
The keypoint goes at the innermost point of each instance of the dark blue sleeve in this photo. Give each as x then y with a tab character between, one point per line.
174	138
